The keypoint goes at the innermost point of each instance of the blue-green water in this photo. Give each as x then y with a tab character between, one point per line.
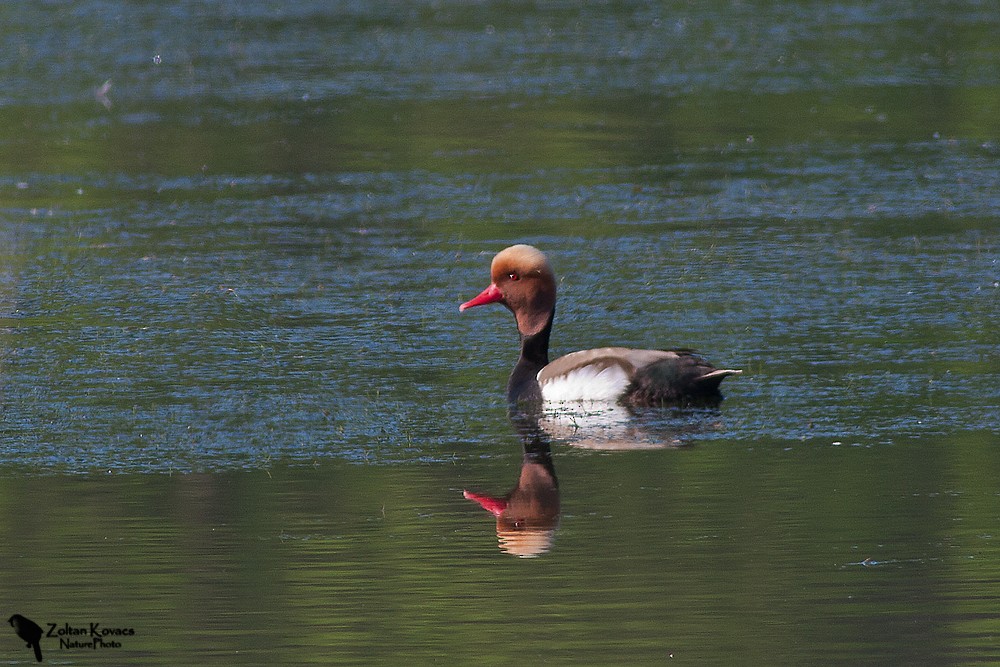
239	407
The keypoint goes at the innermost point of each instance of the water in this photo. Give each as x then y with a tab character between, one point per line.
240	407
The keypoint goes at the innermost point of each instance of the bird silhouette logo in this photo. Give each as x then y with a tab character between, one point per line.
29	631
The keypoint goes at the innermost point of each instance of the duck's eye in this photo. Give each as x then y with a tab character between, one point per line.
513	276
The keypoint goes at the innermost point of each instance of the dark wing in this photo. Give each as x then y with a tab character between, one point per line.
684	379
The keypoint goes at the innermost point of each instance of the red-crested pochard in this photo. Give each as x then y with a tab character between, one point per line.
522	280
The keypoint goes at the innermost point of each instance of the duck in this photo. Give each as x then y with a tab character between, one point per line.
522	280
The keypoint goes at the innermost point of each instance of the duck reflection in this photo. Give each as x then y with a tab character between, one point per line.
615	427
527	517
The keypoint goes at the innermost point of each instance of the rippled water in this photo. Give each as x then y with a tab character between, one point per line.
236	394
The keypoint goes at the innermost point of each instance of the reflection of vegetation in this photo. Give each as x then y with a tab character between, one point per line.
761	550
483	136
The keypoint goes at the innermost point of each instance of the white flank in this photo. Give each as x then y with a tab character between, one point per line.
586	384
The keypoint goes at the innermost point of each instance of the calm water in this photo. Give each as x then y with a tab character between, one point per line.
239	407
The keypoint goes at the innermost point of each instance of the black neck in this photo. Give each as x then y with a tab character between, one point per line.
522	385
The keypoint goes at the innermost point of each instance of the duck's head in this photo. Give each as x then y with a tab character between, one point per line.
521	279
